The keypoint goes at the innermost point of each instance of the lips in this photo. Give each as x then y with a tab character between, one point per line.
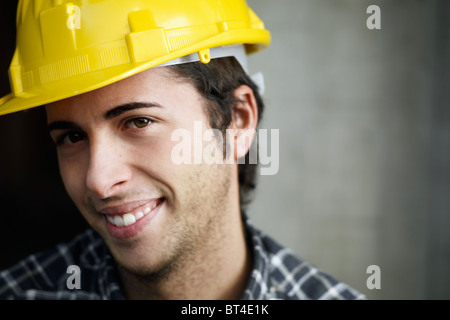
130	218
125	221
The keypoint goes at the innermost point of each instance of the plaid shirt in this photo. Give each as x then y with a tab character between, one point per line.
277	273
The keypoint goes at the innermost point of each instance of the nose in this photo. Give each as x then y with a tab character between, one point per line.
107	172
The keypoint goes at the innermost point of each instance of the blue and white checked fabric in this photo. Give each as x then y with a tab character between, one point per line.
277	273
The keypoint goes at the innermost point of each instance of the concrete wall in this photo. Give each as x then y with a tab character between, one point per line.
363	119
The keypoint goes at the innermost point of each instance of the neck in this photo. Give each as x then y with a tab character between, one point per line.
215	270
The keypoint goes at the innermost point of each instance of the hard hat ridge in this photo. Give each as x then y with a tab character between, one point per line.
65	48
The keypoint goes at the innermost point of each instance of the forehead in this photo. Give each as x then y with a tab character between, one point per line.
159	85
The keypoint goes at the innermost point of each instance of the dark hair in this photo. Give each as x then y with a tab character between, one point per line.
216	82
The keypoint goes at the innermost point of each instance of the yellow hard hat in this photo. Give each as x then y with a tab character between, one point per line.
65	48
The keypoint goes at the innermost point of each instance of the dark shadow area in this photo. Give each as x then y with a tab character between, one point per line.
36	211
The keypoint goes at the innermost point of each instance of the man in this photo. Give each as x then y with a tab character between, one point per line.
127	95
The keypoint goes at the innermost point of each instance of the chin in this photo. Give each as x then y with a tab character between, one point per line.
147	270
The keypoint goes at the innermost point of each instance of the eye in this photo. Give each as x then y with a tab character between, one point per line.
69	138
138	123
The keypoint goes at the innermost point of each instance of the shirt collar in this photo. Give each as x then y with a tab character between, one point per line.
98	259
260	286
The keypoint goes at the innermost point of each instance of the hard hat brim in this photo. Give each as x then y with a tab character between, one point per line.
82	83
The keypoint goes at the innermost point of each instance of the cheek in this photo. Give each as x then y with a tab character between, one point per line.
72	175
154	157
153	164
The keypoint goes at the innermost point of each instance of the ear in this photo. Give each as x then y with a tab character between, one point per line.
245	121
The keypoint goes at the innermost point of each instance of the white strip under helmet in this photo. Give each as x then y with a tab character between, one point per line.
237	51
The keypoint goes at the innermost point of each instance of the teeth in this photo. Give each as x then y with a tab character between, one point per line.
118	221
129	218
139	214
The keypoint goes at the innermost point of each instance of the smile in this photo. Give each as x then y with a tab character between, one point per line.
129	218
132	216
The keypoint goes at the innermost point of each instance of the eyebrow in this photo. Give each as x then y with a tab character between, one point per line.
117	111
62	125
111	114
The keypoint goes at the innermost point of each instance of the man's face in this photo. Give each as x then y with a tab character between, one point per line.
114	150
